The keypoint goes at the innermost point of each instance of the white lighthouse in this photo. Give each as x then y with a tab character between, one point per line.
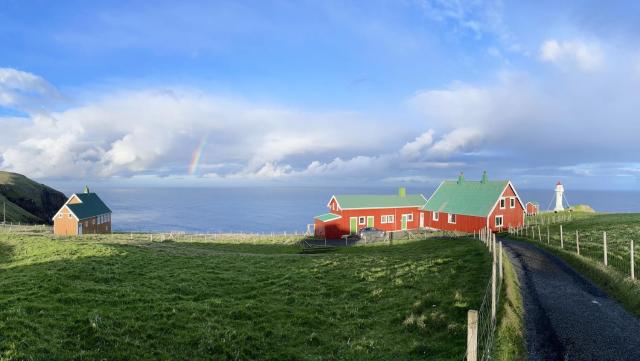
559	196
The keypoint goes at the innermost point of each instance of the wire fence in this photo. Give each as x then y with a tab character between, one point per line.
481	323
614	253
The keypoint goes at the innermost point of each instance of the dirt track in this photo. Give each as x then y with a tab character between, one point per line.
566	316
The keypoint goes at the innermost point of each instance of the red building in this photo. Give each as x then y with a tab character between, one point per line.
532	208
350	213
468	206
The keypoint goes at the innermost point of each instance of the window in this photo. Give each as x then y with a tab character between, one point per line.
69	215
502	203
362	221
59	215
390	218
409	217
513	202
436	216
498	221
386	219
452	218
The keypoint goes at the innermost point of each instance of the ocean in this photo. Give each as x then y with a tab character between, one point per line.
280	209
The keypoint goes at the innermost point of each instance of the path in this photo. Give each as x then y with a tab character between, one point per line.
566	316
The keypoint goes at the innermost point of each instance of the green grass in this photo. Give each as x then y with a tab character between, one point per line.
118	299
509	339
614	278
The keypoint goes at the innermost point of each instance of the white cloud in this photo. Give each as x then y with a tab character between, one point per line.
416	147
23	90
586	56
132	132
458	140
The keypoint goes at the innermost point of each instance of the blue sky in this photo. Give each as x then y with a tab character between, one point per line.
297	92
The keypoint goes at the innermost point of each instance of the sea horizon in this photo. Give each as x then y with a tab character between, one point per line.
278	209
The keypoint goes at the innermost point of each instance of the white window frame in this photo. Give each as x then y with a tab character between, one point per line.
391	218
503	203
408	217
383	219
451	218
435	216
362	220
501	221
512	202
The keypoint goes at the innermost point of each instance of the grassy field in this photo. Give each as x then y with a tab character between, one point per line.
121	299
620	229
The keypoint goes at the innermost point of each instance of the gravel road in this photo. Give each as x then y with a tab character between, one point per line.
566	316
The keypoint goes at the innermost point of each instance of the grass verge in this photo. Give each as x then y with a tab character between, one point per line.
509	341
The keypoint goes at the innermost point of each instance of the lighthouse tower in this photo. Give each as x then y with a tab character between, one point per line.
559	196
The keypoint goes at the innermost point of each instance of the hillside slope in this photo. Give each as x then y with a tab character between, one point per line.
28	201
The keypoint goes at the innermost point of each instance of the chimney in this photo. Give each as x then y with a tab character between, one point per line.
86	189
402	192
461	178
485	179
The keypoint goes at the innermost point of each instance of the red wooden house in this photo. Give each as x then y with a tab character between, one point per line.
350	213
468	206
532	208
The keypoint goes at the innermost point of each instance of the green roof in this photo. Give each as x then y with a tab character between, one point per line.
327	217
91	206
466	197
380	201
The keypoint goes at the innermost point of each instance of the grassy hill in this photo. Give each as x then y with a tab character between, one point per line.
115	298
27	201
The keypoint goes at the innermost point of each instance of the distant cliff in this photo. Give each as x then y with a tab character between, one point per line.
28	201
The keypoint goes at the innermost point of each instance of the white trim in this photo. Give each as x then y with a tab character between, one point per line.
503	199
407	215
435	216
70	212
512	202
449	218
495	221
364	223
501	193
346	209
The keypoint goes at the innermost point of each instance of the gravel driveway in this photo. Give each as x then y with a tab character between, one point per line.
566	316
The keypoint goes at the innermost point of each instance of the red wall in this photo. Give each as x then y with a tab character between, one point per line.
339	227
532	208
513	217
463	223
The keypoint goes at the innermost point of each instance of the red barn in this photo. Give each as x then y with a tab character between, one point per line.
532	208
350	213
468	206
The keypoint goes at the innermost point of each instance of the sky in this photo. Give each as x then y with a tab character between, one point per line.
402	92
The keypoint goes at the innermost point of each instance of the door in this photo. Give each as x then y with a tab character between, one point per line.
353	225
404	222
79	229
421	219
370	221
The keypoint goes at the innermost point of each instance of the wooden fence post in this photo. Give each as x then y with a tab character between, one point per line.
577	243
539	235
633	264
604	242
500	262
548	236
493	292
561	238
472	335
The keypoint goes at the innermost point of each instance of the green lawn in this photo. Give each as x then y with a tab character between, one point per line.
117	299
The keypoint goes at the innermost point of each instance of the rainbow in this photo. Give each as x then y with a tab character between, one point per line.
197	154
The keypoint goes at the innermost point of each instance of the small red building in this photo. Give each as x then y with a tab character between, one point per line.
350	213
469	206
532	208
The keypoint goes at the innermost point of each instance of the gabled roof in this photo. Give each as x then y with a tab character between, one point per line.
467	197
327	217
379	201
90	206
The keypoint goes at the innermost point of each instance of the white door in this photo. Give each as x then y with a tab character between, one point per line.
421	219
